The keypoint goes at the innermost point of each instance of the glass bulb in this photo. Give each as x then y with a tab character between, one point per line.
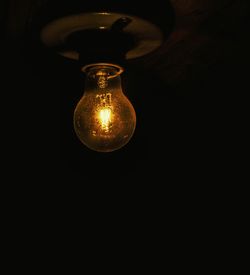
104	119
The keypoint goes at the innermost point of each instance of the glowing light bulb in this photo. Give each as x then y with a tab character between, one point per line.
104	119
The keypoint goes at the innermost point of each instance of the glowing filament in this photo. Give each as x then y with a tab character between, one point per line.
104	117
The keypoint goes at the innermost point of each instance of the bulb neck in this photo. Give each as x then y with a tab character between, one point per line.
103	78
102	69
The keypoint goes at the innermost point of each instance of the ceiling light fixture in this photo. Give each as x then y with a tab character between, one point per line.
104	119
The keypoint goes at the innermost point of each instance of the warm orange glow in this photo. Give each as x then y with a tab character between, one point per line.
105	118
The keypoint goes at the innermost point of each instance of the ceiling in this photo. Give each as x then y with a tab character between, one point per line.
207	53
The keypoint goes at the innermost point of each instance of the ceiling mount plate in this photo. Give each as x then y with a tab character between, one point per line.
148	36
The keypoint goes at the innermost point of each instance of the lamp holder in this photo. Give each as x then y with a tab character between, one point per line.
102	37
102	45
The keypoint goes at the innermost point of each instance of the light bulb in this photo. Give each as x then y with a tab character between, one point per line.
104	119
